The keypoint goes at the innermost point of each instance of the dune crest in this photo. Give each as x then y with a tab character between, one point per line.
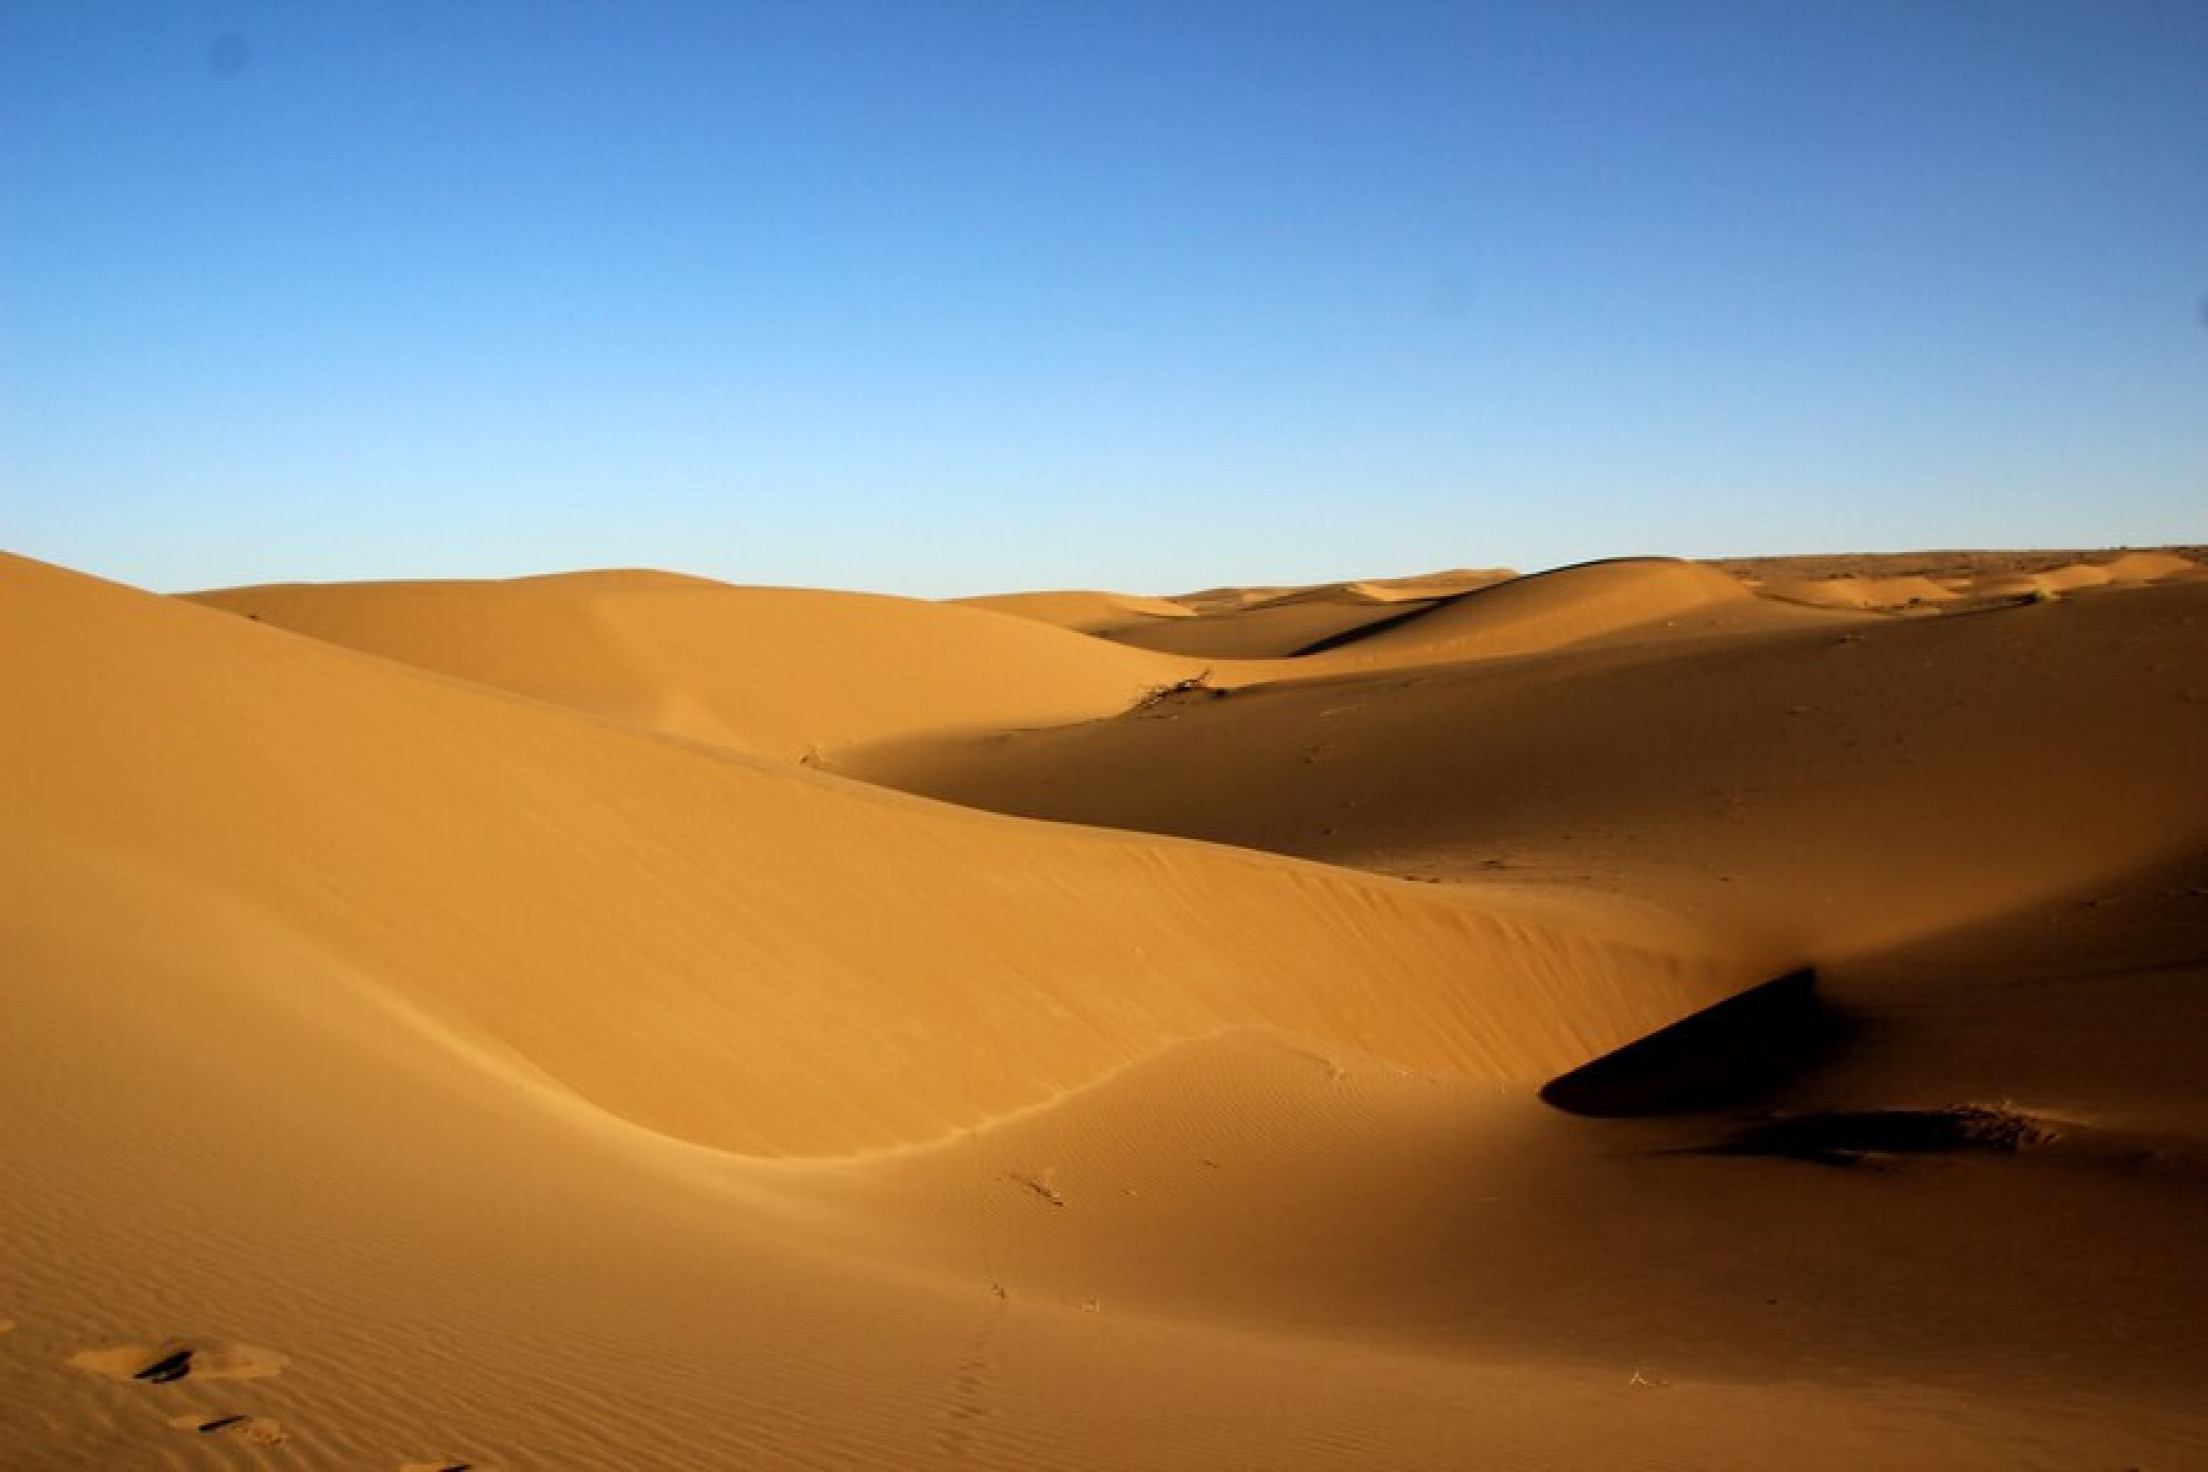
1859	592
1625	598
1272	629
776	671
1083	611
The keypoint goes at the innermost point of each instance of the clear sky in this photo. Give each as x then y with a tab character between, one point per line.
947	297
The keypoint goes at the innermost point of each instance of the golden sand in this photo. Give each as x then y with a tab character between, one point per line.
1643	1015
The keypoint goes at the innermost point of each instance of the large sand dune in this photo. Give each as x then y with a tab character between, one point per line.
805	965
449	1023
781	671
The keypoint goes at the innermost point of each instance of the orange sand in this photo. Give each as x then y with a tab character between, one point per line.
523	1024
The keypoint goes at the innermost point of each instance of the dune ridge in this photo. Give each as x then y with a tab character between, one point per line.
1273	629
779	671
1621	599
1084	611
1859	592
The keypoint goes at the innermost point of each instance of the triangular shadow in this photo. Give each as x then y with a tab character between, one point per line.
1730	1056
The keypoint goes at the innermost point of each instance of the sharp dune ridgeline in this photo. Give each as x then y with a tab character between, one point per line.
1644	1014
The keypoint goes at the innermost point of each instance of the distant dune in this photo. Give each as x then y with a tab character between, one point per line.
1949	565
1960	577
1631	597
1081	611
1855	592
1648	1014
1275	629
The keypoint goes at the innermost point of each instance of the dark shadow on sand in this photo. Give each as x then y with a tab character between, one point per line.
1731	1056
1851	1136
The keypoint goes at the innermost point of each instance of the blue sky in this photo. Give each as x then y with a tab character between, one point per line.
943	298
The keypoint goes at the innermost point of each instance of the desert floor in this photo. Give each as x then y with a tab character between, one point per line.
1650	1014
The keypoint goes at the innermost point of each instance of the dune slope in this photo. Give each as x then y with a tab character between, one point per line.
1842	785
1859	592
1084	611
729	950
1630	599
1277	630
779	671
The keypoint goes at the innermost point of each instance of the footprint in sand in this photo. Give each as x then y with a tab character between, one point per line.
254	1430
443	1467
968	1408
180	1359
969	1404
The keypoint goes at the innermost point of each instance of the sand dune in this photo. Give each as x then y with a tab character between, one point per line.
1271	623
1843	782
1423	588
1084	612
1277	629
1972	578
1443	1210
724	892
2134	568
522	1060
2069	579
2149	567
1947	567
1447	617
1434	584
1412	587
1628	599
1898	592
772	670
1363	590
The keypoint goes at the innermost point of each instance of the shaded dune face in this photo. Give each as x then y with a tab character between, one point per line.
1736	1054
1273	630
1850	1137
1572	606
1459	617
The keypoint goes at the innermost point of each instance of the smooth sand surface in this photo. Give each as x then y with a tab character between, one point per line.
1082	610
1860	592
1277	629
1626	1017
780	671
